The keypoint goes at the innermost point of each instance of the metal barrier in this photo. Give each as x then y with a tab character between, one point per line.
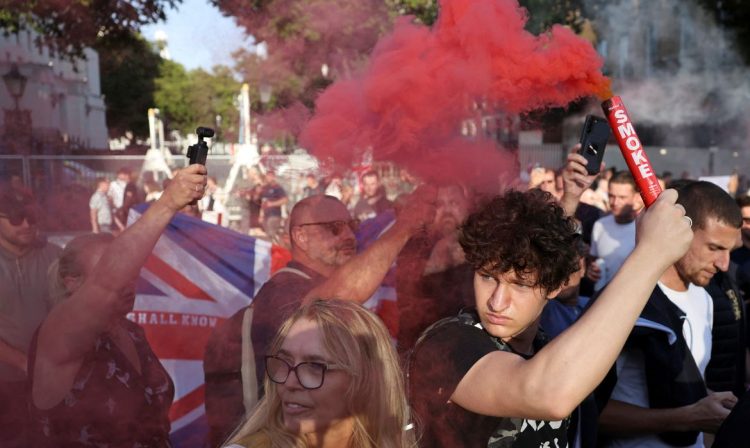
65	183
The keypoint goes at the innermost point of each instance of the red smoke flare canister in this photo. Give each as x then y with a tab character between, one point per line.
632	149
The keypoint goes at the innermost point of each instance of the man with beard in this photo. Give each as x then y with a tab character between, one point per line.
24	303
324	265
613	237
741	255
659	396
373	201
433	280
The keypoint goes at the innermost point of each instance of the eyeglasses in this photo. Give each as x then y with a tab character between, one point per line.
17	217
335	227
310	374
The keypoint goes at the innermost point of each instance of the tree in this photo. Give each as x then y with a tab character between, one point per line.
213	95
172	96
542	13
188	99
128	68
67	27
303	36
425	11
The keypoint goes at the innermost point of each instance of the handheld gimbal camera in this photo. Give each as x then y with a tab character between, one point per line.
198	152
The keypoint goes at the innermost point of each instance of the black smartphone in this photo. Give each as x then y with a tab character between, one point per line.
594	139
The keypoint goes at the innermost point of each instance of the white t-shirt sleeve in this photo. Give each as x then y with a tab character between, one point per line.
596	233
94	202
631	378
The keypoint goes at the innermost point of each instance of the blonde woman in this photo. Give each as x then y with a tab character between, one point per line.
332	380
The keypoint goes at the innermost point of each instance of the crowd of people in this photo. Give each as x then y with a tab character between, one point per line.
259	203
561	314
264	204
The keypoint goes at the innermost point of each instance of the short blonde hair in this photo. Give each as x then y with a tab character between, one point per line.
358	341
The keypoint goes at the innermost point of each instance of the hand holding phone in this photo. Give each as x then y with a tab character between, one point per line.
594	137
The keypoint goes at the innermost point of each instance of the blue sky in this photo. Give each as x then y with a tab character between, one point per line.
199	36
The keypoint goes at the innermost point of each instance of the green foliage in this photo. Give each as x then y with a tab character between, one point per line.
135	78
171	96
128	67
425	11
188	99
542	13
67	27
302	36
545	13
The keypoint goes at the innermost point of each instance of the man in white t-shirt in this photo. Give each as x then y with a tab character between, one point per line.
659	398
117	187
100	208
613	236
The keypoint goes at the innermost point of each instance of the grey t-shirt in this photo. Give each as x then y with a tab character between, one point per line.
100	202
24	299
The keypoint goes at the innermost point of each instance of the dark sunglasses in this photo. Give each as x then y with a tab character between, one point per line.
335	227
17	217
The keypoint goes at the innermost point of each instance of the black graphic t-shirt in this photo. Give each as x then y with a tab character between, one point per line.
442	357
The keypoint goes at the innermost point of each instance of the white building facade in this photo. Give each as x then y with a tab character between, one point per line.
63	98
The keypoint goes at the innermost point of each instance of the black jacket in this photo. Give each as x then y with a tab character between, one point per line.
672	377
726	370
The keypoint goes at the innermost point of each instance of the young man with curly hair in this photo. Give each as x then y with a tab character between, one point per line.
482	378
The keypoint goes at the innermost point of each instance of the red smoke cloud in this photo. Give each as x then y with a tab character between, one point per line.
409	102
283	122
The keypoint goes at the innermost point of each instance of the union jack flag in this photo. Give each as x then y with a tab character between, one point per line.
198	275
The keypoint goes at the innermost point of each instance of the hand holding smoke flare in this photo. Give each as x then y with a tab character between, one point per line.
632	149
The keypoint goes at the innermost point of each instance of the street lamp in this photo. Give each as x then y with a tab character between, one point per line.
15	82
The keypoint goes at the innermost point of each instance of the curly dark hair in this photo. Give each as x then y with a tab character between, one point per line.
525	232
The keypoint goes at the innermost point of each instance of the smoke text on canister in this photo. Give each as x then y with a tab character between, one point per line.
632	149
633	143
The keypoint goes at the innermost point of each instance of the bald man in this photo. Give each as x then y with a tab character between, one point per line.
324	264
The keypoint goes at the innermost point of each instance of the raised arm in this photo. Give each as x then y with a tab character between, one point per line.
575	180
358	279
71	328
552	383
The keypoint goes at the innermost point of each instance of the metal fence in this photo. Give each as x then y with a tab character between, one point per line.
65	183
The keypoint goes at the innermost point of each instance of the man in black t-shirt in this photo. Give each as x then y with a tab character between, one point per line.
373	201
483	378
741	255
433	280
273	197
